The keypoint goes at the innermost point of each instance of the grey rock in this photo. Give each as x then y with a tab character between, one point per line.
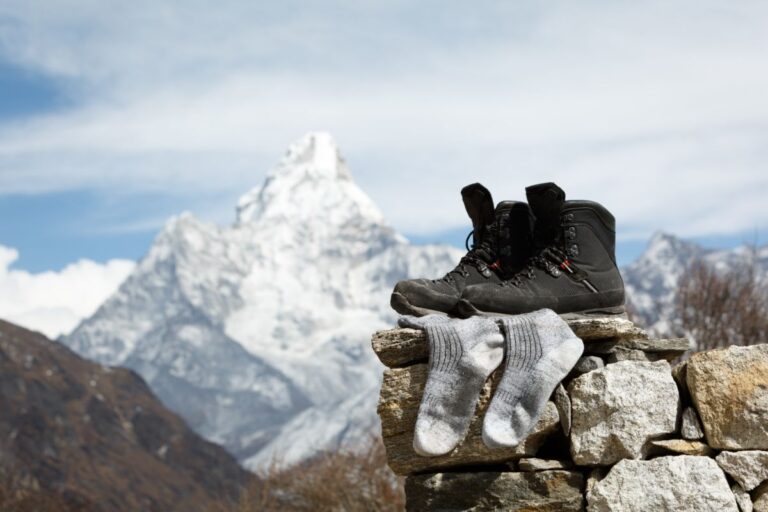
691	425
534	464
616	410
742	498
563	404
675	483
509	491
586	364
399	400
729	388
749	468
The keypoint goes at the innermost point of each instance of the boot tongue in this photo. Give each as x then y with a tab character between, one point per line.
479	205
546	202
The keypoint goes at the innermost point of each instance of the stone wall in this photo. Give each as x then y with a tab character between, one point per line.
624	431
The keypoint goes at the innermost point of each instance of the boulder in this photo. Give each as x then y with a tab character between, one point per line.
399	401
749	468
555	491
729	389
616	410
674	483
690	427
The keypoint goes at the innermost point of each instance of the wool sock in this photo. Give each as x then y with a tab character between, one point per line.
540	351
462	354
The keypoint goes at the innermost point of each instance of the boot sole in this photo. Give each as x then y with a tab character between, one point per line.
467	309
400	304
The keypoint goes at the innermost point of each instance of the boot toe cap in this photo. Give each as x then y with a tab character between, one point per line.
421	296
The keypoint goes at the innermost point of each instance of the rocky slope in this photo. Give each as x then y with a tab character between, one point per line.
257	333
98	437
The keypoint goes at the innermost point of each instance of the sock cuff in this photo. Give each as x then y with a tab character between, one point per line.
445	348
523	341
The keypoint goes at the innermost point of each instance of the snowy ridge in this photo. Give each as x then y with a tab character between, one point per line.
258	334
651	281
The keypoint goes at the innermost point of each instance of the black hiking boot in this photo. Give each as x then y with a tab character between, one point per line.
501	246
574	268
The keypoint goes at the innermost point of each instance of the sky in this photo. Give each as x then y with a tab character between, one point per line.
116	115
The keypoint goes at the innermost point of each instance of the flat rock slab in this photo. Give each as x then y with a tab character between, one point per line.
654	349
681	446
399	401
555	491
620	353
675	483
616	410
401	347
534	464
729	389
749	468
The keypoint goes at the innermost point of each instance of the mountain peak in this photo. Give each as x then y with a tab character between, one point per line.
312	180
316	153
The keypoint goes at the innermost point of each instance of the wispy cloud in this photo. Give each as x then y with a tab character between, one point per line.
655	108
55	302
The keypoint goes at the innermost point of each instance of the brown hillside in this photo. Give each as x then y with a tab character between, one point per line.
96	437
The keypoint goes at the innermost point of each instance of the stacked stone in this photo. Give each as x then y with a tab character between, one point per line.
623	431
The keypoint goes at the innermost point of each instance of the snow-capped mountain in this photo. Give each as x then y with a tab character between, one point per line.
651	281
258	333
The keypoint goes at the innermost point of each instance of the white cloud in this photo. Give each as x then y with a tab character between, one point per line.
55	302
655	108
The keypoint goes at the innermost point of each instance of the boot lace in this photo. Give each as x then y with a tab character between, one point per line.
551	259
477	256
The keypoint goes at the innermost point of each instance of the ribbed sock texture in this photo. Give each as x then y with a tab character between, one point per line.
462	354
540	351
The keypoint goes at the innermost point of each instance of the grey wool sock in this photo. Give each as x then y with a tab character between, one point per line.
462	354
540	351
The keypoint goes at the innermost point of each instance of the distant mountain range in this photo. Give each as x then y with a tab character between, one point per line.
258	333
82	436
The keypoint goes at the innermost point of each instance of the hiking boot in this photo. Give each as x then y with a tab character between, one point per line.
501	246
574	268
